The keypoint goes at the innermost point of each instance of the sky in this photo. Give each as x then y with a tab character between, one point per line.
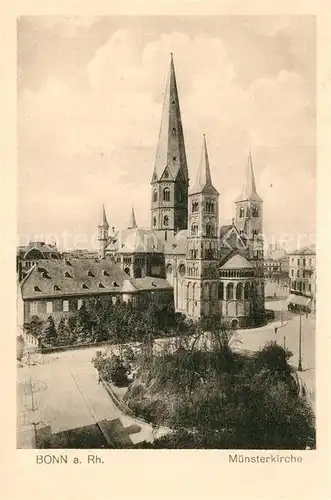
89	104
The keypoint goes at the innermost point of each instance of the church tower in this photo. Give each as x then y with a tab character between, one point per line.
249	222
103	228
202	254
169	184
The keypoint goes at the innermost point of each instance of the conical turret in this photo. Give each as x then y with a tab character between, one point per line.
171	146
132	221
203	182
249	192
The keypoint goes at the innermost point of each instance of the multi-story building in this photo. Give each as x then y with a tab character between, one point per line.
212	269
302	275
59	287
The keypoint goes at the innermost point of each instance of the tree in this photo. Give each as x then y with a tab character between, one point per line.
83	327
34	326
50	334
63	333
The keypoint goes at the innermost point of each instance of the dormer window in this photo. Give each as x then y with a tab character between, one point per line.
36	289
45	275
91	274
67	261
153	284
104	273
84	286
56	288
115	283
100	285
67	275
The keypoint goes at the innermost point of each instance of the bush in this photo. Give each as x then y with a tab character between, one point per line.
112	369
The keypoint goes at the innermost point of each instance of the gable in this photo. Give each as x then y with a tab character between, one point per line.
232	240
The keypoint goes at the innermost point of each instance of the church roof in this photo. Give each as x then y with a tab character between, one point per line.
249	192
80	277
171	152
237	261
150	283
135	240
177	245
203	183
46	251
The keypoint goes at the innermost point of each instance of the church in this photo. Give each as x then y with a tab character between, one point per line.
213	268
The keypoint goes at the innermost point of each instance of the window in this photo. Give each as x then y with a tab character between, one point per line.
36	289
195	206
303	287
90	274
298	262
165	236
100	285
79	303
292	262
49	307
294	285
105	273
84	286
309	287
194	229
255	212
209	230
229	291
292	272
154	221
310	262
65	306
174	131
174	158
241	213
303	262
169	268
166	194
154	195
33	307
298	273
166	220
166	174
56	288
67	275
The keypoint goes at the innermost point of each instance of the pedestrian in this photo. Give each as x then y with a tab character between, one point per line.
276	330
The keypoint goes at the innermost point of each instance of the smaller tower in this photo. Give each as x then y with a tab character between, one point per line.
202	253
249	221
132	221
103	228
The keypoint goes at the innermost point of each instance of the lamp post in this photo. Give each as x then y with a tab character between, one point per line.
300	354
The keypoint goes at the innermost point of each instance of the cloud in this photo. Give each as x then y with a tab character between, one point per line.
79	147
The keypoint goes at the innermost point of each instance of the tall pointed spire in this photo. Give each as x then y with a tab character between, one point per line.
249	187
103	218
132	221
203	182
171	146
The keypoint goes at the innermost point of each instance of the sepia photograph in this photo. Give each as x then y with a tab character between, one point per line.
166	232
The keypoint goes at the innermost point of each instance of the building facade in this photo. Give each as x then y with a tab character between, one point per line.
302	276
212	269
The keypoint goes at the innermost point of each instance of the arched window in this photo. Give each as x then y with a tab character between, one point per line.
229	291
154	221
209	230
241	213
127	271
166	194
166	220
255	212
181	269
194	229
169	268
220	290
206	291
247	291
239	291
195	206
154	195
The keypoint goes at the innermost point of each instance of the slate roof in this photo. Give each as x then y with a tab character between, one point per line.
135	240
91	273
237	261
203	183
310	250
150	283
249	188
177	245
